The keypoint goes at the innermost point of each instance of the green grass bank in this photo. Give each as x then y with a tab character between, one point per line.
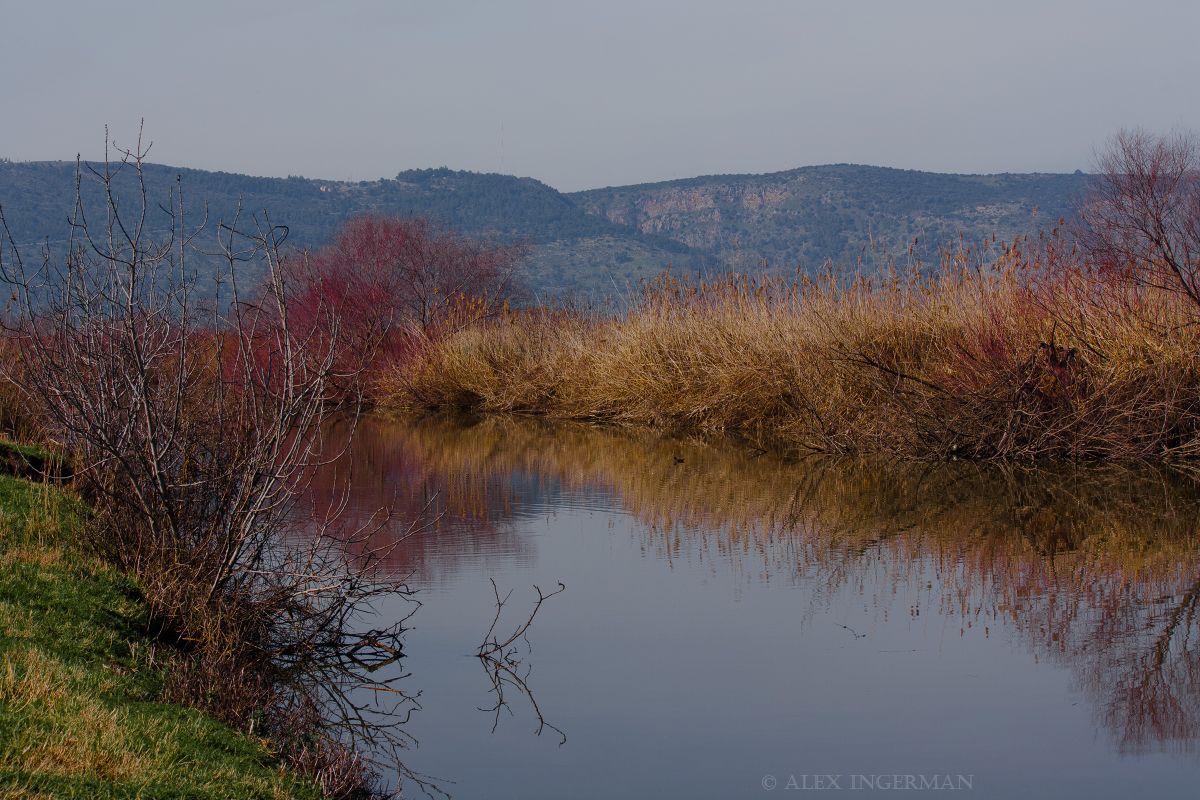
79	678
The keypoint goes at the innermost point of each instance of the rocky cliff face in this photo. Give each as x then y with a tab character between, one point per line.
839	213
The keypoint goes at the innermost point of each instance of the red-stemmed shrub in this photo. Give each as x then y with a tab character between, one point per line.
395	282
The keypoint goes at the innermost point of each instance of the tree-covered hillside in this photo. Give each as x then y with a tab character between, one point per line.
595	243
38	200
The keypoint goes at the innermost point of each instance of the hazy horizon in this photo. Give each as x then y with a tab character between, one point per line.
152	161
582	96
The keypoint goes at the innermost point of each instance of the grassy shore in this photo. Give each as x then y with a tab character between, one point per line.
1016	354
79	678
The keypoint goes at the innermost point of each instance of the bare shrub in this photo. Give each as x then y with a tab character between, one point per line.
1140	219
193	422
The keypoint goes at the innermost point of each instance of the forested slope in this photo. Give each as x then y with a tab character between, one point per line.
599	242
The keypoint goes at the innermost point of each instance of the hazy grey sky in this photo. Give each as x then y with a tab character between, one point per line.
583	95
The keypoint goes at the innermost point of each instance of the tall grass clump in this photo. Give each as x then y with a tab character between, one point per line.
1019	350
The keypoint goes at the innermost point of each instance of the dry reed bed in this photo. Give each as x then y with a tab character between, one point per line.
1015	359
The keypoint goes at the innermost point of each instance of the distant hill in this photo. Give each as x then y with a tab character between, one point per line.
38	198
598	242
812	215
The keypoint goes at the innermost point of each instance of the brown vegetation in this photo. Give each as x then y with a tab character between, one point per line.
1016	359
1079	343
18	418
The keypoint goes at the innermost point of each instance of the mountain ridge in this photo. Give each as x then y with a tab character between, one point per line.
598	242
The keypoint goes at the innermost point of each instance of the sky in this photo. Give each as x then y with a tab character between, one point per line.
583	95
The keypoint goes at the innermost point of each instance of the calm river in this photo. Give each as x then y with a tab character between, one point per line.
738	625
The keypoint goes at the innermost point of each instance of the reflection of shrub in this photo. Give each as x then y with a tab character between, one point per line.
1095	567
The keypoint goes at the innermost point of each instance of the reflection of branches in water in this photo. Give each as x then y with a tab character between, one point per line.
1092	566
1144	678
503	667
329	675
333	664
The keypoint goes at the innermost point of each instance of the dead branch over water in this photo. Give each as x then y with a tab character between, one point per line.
502	662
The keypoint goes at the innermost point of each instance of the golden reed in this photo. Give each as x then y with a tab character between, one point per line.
1012	352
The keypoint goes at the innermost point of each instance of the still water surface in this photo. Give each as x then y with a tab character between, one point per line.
735	623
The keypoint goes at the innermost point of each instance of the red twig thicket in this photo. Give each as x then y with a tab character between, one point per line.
395	282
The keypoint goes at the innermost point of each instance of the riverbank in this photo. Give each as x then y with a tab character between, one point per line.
1019	352
80	680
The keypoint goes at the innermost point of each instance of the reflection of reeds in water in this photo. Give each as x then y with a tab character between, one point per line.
1096	568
